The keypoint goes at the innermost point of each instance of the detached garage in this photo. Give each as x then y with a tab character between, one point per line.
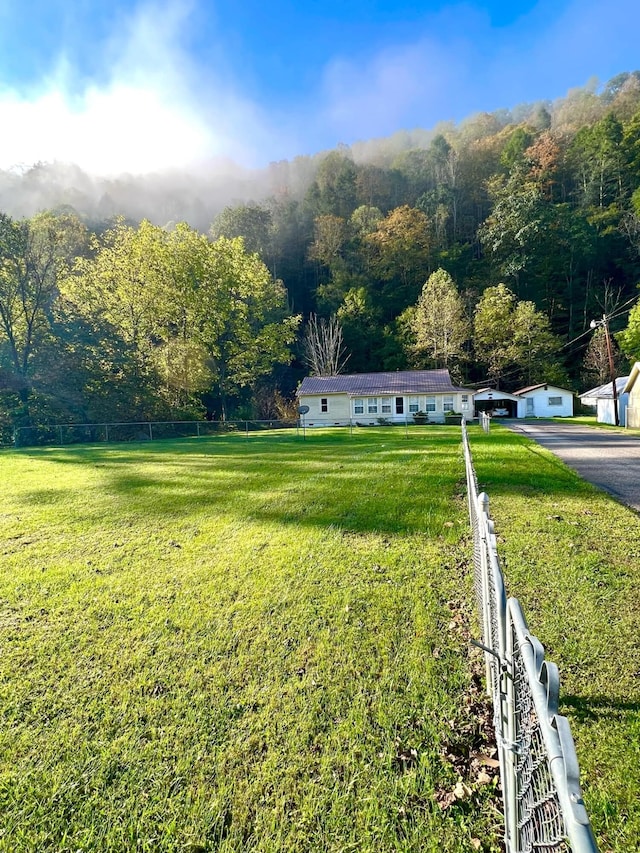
546	401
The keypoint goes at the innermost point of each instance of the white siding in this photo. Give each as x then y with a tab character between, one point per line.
633	407
338	410
341	408
543	405
605	413
633	390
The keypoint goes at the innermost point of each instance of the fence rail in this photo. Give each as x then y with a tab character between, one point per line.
543	805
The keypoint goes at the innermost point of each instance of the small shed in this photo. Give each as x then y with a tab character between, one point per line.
498	404
632	388
546	401
603	396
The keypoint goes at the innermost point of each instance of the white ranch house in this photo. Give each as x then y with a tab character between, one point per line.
368	398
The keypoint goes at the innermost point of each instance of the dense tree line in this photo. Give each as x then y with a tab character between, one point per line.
486	247
138	323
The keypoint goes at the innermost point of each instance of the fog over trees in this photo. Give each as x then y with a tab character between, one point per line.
184	295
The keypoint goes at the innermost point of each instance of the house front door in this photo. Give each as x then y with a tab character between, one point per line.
399	405
529	407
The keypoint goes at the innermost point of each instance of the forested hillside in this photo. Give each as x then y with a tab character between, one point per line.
486	247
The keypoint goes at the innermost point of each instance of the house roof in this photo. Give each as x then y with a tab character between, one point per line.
367	384
495	395
605	391
635	372
544	385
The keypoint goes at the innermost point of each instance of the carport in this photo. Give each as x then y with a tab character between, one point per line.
498	404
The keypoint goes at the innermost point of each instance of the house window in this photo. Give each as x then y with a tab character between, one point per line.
372	405
358	406
430	405
324	404
447	404
414	405
465	402
555	401
386	405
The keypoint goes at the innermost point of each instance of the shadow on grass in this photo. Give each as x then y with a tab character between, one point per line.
598	707
502	470
373	481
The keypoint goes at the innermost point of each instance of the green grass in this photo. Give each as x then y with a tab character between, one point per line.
590	420
236	645
571	554
261	644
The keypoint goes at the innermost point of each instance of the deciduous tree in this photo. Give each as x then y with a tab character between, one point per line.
324	351
439	323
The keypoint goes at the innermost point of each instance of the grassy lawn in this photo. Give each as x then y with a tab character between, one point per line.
238	644
590	420
235	645
571	554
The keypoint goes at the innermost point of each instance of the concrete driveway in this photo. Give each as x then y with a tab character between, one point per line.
609	460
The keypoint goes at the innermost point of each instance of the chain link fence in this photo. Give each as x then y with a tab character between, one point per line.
60	434
543	805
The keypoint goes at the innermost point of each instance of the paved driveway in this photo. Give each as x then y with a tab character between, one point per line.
609	460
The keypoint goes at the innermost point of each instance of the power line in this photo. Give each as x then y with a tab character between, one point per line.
617	313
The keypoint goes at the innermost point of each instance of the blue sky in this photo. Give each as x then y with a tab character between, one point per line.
120	85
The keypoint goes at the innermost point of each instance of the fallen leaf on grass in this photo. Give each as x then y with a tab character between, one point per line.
461	791
487	761
445	799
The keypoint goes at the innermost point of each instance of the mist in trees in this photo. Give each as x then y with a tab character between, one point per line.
485	247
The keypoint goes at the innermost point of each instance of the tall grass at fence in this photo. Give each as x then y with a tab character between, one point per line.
229	645
571	554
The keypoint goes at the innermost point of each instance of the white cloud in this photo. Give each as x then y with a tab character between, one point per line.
403	86
460	63
153	109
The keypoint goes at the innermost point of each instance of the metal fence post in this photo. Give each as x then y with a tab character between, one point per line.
482	509
511	791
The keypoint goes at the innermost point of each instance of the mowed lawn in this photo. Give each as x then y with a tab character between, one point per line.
239	644
571	554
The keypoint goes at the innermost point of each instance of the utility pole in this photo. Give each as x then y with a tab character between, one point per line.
605	322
